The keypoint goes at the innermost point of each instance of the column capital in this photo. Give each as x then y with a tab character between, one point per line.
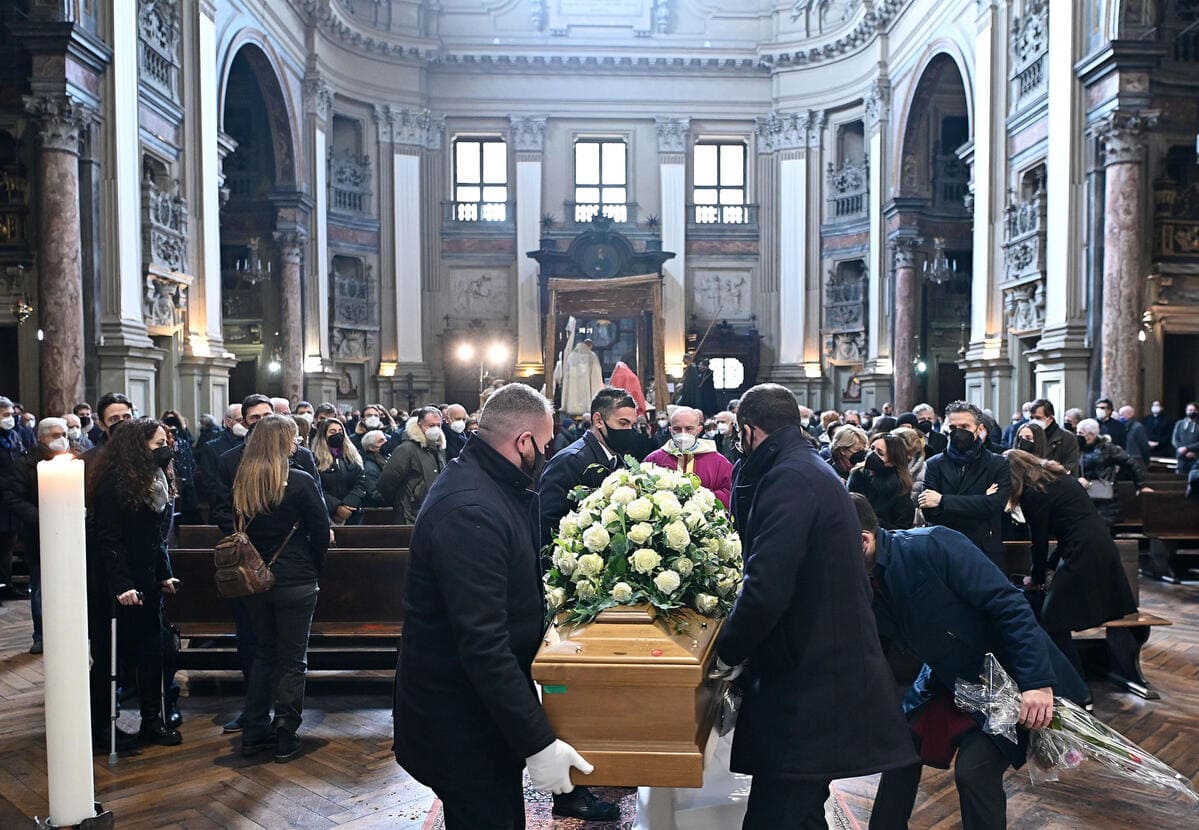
876	102
816	122
783	131
673	134
318	95
291	245
59	119
906	250
414	128
1123	134
208	9
528	133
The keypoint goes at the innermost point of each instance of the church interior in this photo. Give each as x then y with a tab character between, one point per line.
875	203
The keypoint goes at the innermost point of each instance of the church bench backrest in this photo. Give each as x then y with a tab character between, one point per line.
1170	515
349	536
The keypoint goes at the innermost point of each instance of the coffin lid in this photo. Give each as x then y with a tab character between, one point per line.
632	635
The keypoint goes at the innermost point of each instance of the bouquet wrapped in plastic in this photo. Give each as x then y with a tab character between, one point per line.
1073	735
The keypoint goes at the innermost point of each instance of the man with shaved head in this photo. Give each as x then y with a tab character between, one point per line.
467	718
455	434
687	452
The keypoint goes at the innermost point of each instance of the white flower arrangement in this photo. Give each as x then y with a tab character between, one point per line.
646	535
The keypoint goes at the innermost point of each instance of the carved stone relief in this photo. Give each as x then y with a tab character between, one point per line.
721	295
1024	307
478	294
848	347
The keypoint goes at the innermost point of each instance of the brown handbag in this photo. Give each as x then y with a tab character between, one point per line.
240	569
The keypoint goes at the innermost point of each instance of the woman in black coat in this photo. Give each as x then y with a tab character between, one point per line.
884	479
188	503
130	505
282	511
341	470
1089	584
373	462
1101	460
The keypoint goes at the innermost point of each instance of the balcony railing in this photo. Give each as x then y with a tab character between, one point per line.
849	185
349	182
1024	238
621	214
1030	48
723	214
476	211
952	177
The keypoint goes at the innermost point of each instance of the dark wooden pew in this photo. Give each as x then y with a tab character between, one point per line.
347	536
1171	522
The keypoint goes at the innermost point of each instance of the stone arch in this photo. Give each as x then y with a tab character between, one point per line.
281	117
942	74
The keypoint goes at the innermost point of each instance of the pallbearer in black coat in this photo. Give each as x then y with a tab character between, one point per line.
1089	585
467	717
819	699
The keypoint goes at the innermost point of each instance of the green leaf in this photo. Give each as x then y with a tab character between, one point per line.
619	545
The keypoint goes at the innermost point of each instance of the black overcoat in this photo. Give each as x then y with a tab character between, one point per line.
820	701
583	462
474	615
965	505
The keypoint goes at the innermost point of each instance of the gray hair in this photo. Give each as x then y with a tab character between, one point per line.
47	424
921	408
513	409
687	412
373	439
1088	425
5	403
233	411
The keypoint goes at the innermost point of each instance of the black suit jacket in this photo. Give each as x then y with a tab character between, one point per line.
474	614
221	509
208	458
583	462
965	507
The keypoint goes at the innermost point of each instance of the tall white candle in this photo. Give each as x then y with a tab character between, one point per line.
64	619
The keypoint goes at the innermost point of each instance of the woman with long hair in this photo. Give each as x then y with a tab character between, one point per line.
884	479
1030	438
281	510
342	473
1089	586
847	449
131	491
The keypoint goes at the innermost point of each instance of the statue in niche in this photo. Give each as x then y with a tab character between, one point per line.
345	385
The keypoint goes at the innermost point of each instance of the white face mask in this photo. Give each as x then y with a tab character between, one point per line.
433	435
74	433
8	422
372	422
239	430
805	421
1100	414
1156	410
662	423
722	428
458	426
685	441
59	445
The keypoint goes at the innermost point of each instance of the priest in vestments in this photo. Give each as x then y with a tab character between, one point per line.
582	379
625	378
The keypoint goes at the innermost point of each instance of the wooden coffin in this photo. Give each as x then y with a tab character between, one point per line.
632	695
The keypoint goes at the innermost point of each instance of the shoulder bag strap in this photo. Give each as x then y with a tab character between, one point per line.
291	533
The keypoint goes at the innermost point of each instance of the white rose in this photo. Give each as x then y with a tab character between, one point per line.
730	548
609	515
705	603
667	582
695	521
555	597
596	538
590	564
677	537
725	586
645	560
639	510
623	495
668	503
622	592
568	525
567	563
684	566
704	498
585	590
584	519
641	532
712	545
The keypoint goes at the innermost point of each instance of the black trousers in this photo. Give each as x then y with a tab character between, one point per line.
977	772
780	804
282	619
496	802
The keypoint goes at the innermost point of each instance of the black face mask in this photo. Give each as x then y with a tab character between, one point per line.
620	441
172	422
858	457
924	426
875	463
1082	444
533	469
163	456
962	440
1194	416
335	440
85	424
1026	445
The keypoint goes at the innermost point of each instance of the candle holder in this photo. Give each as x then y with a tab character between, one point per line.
102	820
251	269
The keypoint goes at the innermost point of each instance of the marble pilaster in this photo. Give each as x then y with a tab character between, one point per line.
673	145
291	319
528	140
907	295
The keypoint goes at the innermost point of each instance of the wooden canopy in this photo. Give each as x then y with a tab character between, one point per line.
612	297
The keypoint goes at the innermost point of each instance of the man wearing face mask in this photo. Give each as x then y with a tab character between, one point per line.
1158	429
414	465
13	446
456	437
688	453
467	718
208	454
966	487
926	422
804	606
1109	425
1137	442
76	434
1060	445
1186	439
726	436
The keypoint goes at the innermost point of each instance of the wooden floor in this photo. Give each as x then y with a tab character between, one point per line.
346	776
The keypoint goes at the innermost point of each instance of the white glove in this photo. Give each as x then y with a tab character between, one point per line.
723	671
549	769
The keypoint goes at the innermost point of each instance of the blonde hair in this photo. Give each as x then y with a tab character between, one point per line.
849	436
262	475
320	446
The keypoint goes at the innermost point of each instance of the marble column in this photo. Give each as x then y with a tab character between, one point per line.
1123	135
907	295
877	372
60	282
318	106
291	318
674	140
528	141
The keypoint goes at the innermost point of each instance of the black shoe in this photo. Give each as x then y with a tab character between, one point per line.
233	726
156	732
287	746
174	718
251	745
580	803
127	742
36	648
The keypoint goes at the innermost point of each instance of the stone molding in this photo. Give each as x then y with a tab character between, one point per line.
318	95
291	246
674	134
876	103
528	133
777	131
59	119
414	128
906	251
1124	137
875	20
816	122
